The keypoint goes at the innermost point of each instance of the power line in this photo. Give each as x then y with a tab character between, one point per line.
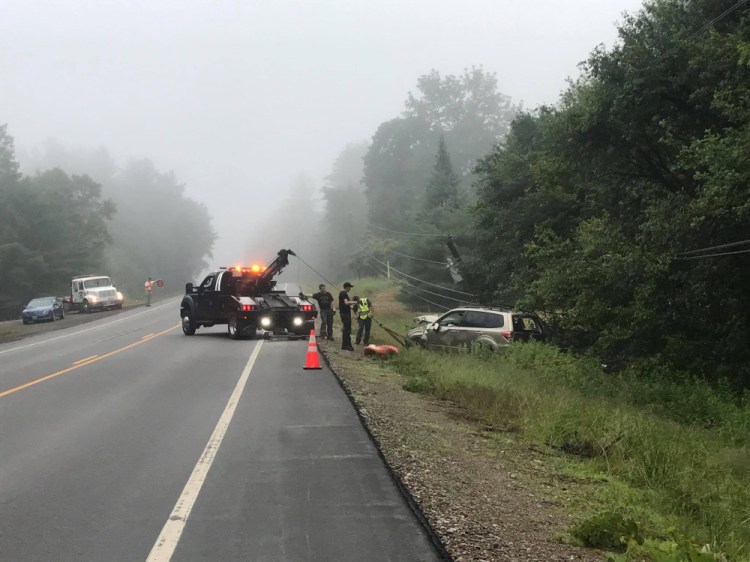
402	232
316	272
714	255
427	291
376	270
416	258
690	37
411	276
740	243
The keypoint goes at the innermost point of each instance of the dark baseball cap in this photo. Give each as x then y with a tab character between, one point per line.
347	284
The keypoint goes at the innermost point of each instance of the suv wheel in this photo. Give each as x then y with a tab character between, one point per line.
188	323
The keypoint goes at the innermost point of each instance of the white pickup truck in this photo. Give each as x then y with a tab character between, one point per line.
92	292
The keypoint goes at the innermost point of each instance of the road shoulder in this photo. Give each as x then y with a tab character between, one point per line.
486	495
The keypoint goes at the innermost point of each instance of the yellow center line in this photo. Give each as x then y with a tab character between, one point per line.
83	363
147	336
84	360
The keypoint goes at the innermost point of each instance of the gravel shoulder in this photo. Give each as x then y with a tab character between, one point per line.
487	496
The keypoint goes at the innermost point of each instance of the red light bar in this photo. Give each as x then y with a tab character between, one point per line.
307	308
247	308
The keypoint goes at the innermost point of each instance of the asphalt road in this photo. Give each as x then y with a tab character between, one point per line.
123	439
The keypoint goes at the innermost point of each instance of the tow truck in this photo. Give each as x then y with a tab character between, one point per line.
245	299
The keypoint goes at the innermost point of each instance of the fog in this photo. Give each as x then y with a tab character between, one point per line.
241	99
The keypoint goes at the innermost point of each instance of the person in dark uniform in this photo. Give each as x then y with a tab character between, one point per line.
325	305
346	317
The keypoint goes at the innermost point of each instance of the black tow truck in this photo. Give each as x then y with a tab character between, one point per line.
245	299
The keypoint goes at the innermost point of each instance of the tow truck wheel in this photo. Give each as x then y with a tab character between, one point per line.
234	328
85	307
188	324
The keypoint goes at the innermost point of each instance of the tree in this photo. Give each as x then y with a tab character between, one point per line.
467	110
589	207
442	190
158	231
344	221
53	226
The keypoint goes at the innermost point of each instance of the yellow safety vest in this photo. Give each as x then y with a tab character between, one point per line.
364	309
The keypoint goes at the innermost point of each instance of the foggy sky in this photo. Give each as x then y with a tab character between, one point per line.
239	98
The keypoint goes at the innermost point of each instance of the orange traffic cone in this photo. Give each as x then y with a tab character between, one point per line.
312	361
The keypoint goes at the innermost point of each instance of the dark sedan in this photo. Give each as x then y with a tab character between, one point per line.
43	309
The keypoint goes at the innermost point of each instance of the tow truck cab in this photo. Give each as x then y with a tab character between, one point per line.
231	296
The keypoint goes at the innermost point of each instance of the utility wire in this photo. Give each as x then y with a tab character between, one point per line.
714	255
740	243
426	290
416	258
368	254
317	272
402	232
376	270
690	37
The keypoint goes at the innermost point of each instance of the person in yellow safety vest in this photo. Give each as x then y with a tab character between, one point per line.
364	317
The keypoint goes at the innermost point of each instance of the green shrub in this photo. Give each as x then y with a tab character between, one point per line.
608	531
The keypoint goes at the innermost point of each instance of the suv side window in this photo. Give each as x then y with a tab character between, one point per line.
452	318
473	319
493	320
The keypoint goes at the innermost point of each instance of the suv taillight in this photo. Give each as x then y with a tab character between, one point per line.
507	335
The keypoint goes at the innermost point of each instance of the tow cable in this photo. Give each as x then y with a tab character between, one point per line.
395	335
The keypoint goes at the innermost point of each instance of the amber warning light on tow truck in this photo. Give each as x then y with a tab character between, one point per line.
238	270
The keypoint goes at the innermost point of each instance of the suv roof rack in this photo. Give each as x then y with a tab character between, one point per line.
500	307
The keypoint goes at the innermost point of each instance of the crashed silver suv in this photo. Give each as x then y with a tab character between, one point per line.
493	328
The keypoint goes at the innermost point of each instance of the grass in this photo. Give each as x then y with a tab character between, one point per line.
668	462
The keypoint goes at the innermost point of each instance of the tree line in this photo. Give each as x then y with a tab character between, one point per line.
620	213
127	222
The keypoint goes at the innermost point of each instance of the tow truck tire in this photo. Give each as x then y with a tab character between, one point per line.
85	307
188	323
234	328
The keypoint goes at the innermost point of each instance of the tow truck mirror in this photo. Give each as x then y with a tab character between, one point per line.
188	288
435	327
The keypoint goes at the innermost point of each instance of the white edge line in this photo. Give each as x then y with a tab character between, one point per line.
169	537
97	327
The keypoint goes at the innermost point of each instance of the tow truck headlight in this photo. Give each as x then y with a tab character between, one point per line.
265	322
92	298
119	296
297	321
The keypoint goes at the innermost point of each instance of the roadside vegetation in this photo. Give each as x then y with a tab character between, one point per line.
663	466
80	213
